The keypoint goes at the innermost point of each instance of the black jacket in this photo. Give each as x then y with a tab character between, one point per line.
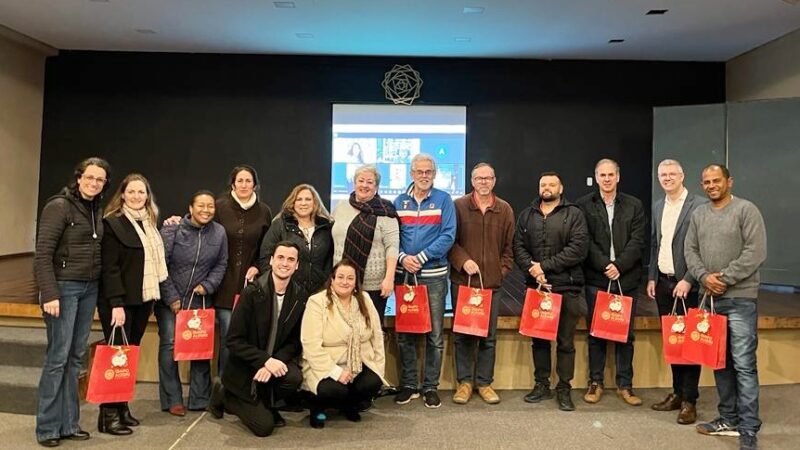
315	264
558	242
250	328
68	244
629	239
123	263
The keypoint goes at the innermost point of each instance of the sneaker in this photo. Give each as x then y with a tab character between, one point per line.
594	393
540	392
564	398
405	395
748	441
463	393
629	397
432	400
488	395
717	427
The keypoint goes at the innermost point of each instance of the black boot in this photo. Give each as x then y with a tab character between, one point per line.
125	416
564	398
109	421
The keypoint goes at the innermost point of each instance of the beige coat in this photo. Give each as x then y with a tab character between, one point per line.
324	335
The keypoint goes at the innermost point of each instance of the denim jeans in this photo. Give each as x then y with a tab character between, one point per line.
169	383
737	383
223	318
57	408
623	352
573	306
434	341
466	359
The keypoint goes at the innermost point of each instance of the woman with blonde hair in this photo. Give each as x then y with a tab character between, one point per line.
305	221
133	266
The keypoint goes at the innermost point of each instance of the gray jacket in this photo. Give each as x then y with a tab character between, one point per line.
678	258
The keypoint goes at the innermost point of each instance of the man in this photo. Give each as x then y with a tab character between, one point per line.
482	249
616	227
264	344
550	243
668	278
725	246
427	231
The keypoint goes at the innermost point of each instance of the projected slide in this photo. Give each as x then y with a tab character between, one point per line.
388	136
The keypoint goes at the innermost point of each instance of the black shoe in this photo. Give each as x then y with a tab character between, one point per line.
216	406
748	441
277	419
125	416
564	399
540	392
317	418
364	406
52	442
405	395
387	390
109	422
352	415
432	399
78	435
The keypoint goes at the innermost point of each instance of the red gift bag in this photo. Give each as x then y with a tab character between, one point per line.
673	333
473	309
612	315
708	336
540	314
412	310
113	375
194	333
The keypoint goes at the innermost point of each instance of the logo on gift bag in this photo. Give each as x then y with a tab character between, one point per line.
535	313
679	326
476	298
186	335
673	339
108	374
466	310
195	322
606	315
546	304
615	304
409	295
120	359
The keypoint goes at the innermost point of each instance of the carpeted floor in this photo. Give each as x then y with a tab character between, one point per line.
512	424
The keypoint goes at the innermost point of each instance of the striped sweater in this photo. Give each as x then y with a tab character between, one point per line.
427	230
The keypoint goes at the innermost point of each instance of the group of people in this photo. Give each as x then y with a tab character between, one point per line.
300	299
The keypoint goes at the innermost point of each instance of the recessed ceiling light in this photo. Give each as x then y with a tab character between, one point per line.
283	4
462	39
473	9
145	31
616	41
304	35
656	12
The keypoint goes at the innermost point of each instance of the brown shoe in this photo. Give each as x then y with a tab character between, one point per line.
488	395
629	397
177	410
594	393
688	414
463	393
671	403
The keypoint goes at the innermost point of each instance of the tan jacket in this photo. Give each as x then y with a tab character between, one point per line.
324	335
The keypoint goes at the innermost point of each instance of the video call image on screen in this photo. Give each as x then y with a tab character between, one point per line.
388	137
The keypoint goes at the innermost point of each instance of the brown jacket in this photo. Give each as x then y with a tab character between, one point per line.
485	239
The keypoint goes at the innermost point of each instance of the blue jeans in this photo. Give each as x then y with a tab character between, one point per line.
57	409
465	347
737	383
434	341
623	351
223	317
169	383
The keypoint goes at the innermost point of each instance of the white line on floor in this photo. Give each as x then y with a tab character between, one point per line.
188	430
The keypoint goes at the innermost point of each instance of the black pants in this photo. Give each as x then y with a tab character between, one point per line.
573	306
598	347
258	417
685	377
379	302
332	394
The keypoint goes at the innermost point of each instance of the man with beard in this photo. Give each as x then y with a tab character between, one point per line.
725	246
550	243
264	344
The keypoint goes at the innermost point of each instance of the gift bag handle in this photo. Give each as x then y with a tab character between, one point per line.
405	279
675	306
540	286
703	302
469	280
618	285
189	304
113	333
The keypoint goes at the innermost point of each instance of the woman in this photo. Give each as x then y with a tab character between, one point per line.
133	266
366	231
246	220
67	270
343	355
197	254
304	221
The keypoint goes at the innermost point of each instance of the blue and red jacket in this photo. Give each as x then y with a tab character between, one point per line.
427	230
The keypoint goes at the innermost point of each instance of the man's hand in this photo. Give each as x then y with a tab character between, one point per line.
714	285
612	273
682	289
651	290
276	367
263	375
537	273
411	264
346	377
53	307
471	267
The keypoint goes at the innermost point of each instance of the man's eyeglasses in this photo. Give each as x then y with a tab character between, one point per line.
424	173
483	179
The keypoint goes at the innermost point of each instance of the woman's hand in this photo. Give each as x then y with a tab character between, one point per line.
251	274
199	289
346	377
53	307
172	220
117	316
387	286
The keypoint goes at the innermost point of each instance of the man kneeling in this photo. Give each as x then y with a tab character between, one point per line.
264	344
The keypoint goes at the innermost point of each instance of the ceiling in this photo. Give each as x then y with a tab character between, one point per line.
691	30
